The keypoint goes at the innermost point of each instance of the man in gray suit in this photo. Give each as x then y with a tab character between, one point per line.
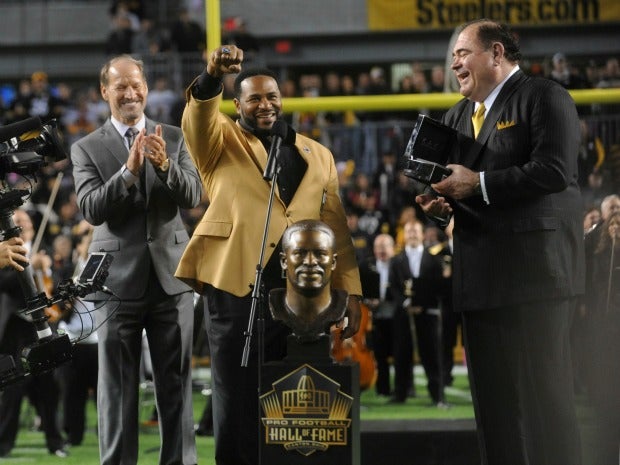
518	260
131	191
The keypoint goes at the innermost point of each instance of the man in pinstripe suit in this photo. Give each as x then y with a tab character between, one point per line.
518	247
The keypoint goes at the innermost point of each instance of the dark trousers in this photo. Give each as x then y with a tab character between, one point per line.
427	337
382	348
403	354
235	388
168	322
521	380
42	388
78	378
451	322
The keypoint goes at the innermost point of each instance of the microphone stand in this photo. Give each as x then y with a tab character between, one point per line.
256	294
258	282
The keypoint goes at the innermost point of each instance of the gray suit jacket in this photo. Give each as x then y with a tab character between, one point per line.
527	245
137	230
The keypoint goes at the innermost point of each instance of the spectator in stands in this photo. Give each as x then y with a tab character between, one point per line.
613	166
591	154
132	10
384	182
406	86
235	31
186	35
41	101
66	219
289	88
604	388
79	376
98	109
432	235
375	272
437	84
592	73
161	100
565	75
595	175
420	82
610	75
346	170
120	38
360	191
362	242
407	214
310	123
416	281
610	78
80	121
609	206
149	40
331	88
438	78
591	217
20	106
451	320
351	141
375	85
347	85
15	334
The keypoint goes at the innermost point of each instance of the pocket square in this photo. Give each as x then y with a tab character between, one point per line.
505	124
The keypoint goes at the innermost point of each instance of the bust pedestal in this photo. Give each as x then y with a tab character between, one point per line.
309	407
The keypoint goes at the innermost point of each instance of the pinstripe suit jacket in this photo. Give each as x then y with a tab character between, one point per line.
527	245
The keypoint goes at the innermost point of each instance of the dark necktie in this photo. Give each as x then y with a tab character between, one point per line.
130	135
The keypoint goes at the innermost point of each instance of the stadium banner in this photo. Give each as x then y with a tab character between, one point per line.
390	15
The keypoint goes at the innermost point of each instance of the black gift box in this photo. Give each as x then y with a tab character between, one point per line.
428	150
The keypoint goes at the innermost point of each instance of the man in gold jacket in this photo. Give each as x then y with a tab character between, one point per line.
221	259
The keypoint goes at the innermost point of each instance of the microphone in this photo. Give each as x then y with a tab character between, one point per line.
281	133
17	129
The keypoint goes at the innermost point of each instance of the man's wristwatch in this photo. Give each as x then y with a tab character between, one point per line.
165	165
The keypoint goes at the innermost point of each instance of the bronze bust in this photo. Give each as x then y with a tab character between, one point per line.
308	305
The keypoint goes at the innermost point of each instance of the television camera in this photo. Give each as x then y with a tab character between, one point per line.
25	147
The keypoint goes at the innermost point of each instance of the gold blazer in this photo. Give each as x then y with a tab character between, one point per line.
225	247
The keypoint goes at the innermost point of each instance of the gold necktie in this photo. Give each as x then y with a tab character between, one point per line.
477	119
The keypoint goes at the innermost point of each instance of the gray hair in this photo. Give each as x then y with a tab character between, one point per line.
104	74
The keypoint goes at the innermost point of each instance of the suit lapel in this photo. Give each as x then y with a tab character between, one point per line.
490	121
113	143
493	116
255	149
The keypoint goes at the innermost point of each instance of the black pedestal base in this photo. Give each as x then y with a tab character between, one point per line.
309	408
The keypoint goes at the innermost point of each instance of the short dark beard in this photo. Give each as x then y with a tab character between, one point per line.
250	126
